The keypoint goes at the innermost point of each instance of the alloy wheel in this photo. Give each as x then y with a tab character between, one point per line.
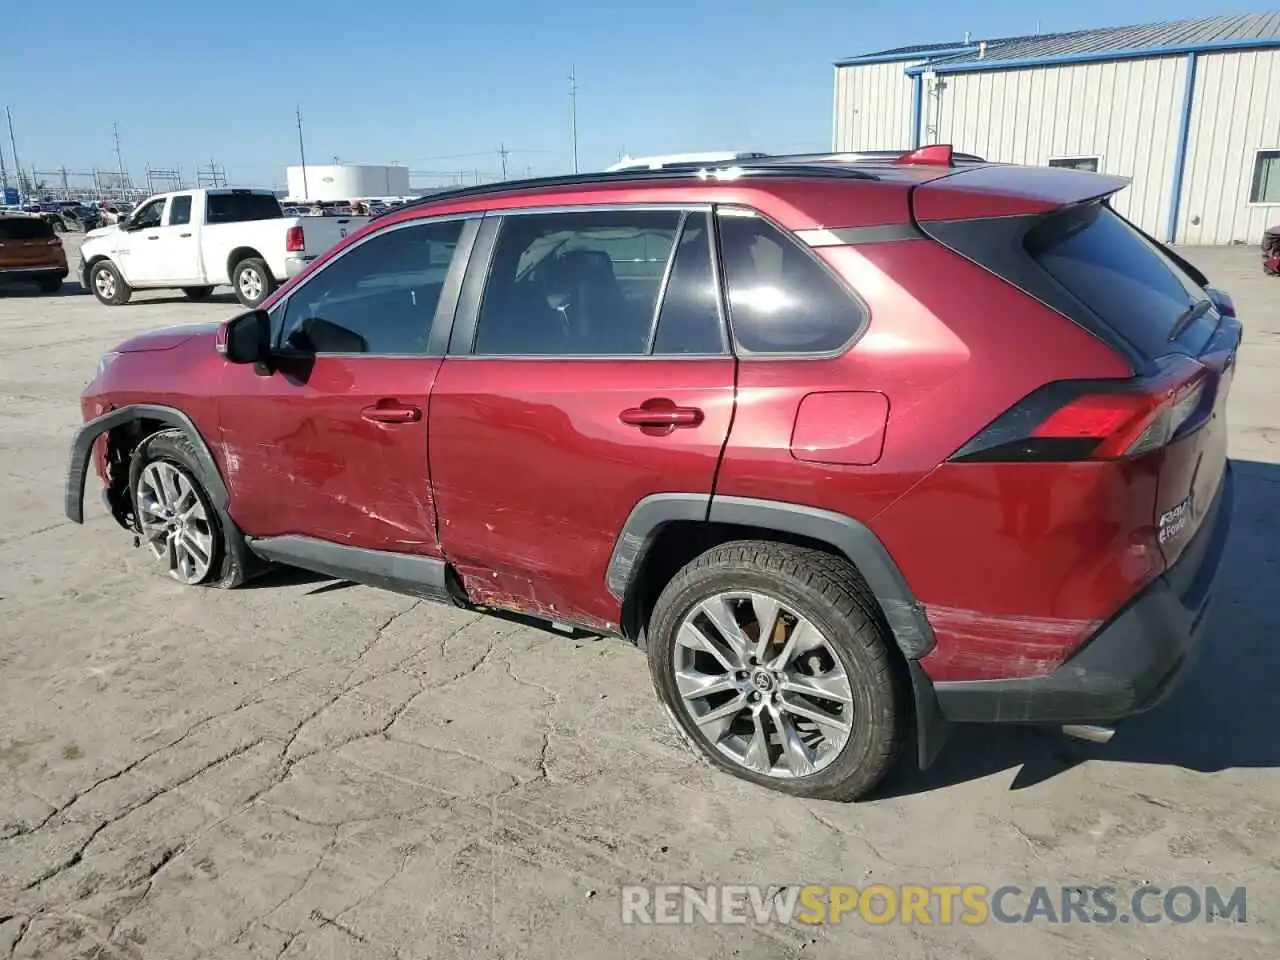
250	284
763	685
105	284
174	522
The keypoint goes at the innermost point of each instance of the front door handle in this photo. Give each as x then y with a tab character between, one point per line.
153	236
384	412
184	234
661	414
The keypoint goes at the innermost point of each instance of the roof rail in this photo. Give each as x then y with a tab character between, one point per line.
763	167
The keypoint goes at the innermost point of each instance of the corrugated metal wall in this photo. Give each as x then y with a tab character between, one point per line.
1236	113
873	107
1127	113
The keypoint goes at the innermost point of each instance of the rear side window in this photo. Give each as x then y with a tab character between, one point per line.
1121	276
239	207
781	300
689	321
24	228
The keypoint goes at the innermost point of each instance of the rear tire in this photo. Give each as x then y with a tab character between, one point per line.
197	293
107	284
253	282
836	647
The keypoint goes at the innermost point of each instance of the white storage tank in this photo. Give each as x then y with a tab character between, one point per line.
345	181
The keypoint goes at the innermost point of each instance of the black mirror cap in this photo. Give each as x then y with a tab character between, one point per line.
246	338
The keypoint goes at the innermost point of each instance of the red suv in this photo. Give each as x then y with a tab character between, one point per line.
851	450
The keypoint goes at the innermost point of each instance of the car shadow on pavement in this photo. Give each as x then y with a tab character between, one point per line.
168	301
1225	712
30	291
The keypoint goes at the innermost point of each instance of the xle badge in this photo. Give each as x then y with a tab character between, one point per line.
1174	520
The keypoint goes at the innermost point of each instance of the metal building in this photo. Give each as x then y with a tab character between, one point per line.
346	181
1190	110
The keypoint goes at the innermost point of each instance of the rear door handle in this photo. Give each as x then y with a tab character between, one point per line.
384	412
661	413
154	236
184	234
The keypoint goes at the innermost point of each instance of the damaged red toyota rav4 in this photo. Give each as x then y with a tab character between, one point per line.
853	449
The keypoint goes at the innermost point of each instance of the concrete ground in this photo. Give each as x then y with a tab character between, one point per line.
304	768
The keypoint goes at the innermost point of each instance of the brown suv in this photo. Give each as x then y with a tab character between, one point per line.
30	250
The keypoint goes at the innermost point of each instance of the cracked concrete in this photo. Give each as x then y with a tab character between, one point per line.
302	768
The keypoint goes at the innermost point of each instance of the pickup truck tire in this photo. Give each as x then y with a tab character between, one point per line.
107	284
253	282
197	293
820	709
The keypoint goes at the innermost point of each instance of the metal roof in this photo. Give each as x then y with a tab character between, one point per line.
1176	36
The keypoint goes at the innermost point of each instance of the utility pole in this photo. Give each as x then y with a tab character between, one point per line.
573	112
4	174
17	164
503	153
115	130
302	155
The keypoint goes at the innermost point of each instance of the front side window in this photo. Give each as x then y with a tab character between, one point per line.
575	284
781	300
379	297
180	210
1265	187
148	215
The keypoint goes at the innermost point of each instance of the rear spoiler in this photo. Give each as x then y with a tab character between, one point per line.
974	193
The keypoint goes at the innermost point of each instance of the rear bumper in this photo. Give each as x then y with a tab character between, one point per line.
295	265
47	272
1130	664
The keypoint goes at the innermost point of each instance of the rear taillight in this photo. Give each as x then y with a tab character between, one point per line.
1096	419
294	241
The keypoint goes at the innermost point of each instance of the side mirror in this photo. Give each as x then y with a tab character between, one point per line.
247	339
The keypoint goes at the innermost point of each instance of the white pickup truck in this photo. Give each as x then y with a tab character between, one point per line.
195	240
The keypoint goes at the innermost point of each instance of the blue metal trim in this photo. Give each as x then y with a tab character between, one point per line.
917	98
903	57
1180	158
1096	56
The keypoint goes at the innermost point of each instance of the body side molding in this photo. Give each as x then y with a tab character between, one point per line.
407	573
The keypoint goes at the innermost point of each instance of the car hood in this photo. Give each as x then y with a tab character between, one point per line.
167	338
102	232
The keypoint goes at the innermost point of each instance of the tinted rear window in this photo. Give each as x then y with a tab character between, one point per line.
1122	277
238	207
24	228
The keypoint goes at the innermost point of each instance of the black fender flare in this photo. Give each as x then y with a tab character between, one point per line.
903	613
82	450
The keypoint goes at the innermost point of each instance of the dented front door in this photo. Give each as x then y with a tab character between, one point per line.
333	447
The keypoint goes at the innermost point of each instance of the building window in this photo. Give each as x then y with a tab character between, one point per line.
1091	164
1266	177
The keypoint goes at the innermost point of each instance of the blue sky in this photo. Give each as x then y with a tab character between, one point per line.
440	85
